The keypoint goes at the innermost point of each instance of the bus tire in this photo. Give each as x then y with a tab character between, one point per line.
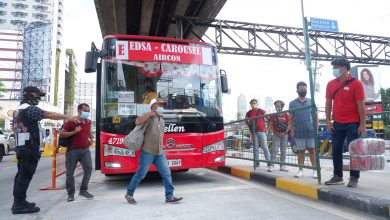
2	151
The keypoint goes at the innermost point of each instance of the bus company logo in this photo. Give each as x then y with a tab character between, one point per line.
170	142
371	108
122	50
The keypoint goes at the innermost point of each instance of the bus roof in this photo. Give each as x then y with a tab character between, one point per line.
152	38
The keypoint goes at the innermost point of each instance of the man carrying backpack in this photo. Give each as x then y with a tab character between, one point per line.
81	139
260	135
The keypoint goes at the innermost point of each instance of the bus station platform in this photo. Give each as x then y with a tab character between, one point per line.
371	196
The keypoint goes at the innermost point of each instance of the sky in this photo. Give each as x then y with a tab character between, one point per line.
255	77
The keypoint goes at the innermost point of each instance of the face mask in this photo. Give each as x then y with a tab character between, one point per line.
84	115
254	106
160	110
279	109
302	94
336	73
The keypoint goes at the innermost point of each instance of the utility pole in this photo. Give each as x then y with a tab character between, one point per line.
312	96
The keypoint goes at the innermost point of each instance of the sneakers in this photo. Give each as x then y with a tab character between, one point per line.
24	209
283	168
173	199
353	182
270	168
335	180
70	198
25	203
86	194
299	174
315	174
130	199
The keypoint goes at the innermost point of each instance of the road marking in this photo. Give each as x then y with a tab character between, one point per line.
181	192
341	212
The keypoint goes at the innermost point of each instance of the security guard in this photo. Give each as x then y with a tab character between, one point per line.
27	132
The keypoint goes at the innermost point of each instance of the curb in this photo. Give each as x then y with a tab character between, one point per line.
356	201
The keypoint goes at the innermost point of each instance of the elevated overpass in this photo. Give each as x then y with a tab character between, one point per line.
153	17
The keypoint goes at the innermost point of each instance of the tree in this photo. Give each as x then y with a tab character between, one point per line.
2	89
385	93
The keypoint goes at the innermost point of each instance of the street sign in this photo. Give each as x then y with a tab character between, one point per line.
319	24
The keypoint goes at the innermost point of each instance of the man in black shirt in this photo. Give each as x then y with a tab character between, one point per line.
27	133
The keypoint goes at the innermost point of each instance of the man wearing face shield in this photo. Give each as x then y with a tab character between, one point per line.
28	139
152	152
345	100
280	126
81	138
260	135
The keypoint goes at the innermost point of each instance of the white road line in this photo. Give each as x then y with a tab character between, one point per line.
181	192
329	208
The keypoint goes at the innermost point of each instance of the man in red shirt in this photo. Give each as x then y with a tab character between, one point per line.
345	99
80	139
260	135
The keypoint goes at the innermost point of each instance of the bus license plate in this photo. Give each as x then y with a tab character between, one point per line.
174	163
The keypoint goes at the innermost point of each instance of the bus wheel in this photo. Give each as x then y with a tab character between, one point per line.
2	151
182	170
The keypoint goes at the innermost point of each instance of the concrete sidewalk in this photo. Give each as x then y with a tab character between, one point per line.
371	196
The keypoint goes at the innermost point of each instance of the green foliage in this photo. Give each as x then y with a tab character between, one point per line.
386	105
387	132
58	53
2	89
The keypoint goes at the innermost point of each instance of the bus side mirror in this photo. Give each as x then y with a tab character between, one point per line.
224	81
91	58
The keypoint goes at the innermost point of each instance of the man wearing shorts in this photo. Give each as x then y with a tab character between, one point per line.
302	128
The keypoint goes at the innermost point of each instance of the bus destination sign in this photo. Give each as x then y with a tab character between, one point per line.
163	52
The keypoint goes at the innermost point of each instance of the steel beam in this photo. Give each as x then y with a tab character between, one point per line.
242	38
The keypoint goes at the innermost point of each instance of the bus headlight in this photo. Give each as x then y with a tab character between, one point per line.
214	147
110	150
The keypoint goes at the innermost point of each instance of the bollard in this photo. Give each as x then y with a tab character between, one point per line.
54	166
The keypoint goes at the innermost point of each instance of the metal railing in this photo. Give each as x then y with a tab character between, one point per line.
241	137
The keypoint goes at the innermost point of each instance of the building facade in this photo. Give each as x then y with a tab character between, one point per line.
16	16
241	106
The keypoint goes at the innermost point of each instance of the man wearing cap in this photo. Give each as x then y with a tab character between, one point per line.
27	133
152	153
260	137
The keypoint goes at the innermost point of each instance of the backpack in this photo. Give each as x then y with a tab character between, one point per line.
65	142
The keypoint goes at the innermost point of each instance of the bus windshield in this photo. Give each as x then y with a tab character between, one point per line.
189	89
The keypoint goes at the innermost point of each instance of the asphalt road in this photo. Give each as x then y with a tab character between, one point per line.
207	195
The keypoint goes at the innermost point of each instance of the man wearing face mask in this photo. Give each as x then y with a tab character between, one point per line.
81	138
26	127
280	126
260	135
152	153
302	128
345	99
150	93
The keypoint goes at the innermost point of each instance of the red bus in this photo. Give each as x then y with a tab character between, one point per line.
185	73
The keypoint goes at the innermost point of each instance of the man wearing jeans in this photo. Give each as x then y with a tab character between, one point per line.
152	153
81	139
345	99
260	135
